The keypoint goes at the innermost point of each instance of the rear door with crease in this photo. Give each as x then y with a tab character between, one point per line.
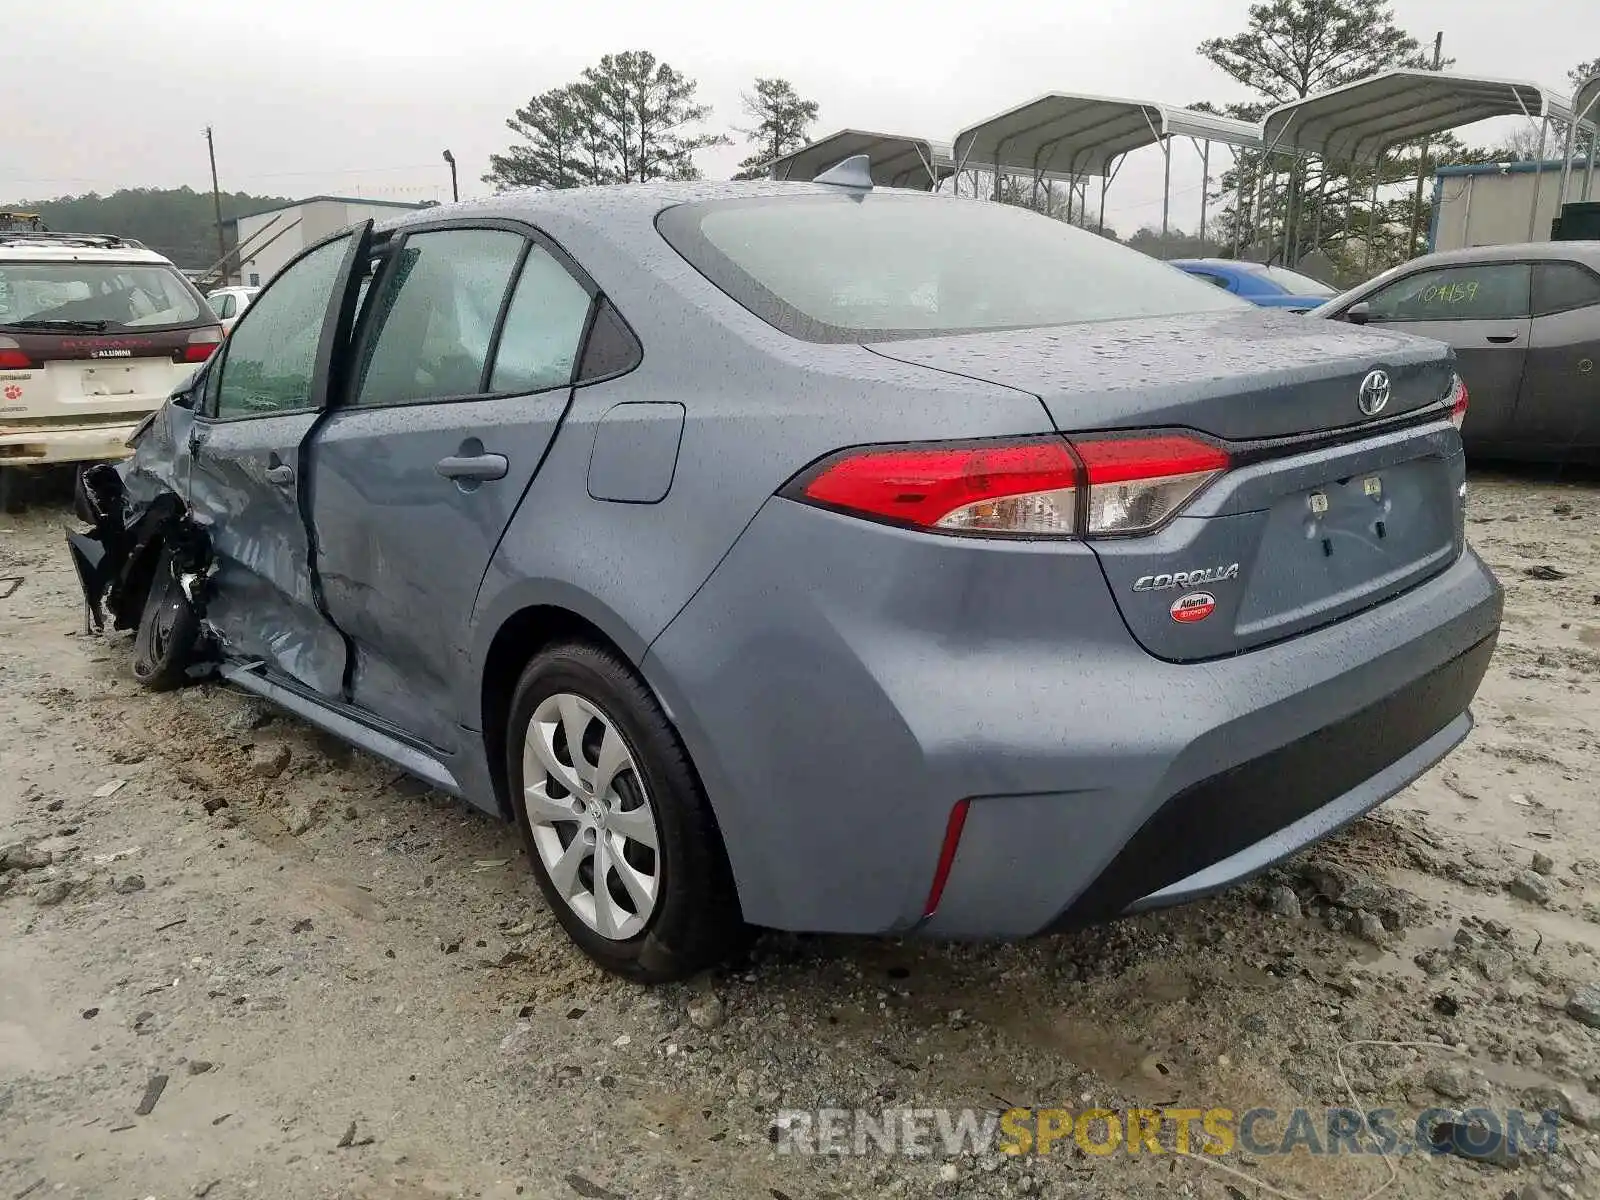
463	372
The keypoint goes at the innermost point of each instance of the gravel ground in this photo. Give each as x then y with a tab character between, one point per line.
237	958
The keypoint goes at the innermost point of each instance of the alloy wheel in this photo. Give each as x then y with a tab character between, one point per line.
592	821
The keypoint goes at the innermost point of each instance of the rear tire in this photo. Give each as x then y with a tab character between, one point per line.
168	630
619	833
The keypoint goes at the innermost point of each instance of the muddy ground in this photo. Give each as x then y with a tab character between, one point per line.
351	988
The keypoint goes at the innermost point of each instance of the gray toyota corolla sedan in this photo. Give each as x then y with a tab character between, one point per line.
815	556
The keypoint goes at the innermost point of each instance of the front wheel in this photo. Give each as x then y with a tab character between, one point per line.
619	833
168	630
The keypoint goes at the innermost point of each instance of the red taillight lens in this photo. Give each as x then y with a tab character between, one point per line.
12	356
1033	487
1021	487
1136	483
1458	402
202	342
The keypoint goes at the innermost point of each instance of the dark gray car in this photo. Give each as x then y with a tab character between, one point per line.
1525	324
816	556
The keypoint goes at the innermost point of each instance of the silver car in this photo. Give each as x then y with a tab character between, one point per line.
816	556
1525	324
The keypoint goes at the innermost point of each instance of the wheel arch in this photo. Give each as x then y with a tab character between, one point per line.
543	620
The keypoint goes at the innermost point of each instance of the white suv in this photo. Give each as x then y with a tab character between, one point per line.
95	333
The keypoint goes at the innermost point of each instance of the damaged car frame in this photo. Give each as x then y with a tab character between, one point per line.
804	555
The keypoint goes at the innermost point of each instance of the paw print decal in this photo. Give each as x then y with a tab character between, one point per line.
13	392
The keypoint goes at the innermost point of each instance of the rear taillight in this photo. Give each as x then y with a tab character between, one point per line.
1458	401
1029	487
1136	483
1022	487
201	344
12	356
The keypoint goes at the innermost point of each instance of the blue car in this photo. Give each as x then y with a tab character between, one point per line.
814	556
1269	287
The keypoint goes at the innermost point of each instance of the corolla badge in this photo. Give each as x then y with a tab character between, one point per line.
1373	397
1196	606
1177	579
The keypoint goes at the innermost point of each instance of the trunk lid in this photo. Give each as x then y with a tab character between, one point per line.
1239	374
1325	511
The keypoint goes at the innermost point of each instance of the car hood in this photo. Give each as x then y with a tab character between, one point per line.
1240	374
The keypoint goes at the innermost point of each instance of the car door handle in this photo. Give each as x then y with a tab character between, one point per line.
473	466
281	474
1500	339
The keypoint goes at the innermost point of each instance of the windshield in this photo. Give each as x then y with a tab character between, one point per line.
112	295
877	267
1296	284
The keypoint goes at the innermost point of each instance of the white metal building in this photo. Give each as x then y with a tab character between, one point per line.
1487	204
272	237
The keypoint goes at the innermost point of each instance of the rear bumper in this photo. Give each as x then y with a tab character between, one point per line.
1240	821
842	686
66	444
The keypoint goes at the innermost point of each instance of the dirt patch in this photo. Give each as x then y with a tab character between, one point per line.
352	989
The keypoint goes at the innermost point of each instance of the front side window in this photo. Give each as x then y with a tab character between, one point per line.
1295	284
878	267
110	295
544	327
1560	286
1469	292
435	315
272	351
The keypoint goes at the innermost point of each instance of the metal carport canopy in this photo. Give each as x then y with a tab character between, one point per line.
1076	135
1359	121
896	160
1586	104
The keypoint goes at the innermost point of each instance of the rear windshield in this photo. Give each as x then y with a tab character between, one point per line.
115	295
885	266
1297	284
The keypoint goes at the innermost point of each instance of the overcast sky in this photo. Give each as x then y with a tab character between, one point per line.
335	96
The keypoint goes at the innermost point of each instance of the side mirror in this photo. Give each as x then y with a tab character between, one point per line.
1358	314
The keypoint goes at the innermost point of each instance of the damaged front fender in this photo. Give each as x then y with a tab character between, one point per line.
116	557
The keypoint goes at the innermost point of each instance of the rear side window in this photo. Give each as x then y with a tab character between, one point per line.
436	314
112	295
1468	292
1560	286
879	267
543	329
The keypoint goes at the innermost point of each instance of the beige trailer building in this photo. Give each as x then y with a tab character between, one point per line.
269	239
1488	204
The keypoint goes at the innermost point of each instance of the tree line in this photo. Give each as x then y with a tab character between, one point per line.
177	222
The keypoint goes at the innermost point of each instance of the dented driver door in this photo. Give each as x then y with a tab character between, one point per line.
247	478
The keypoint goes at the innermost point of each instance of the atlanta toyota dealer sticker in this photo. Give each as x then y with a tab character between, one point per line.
1196	606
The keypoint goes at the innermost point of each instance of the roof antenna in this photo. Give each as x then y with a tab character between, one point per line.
853	172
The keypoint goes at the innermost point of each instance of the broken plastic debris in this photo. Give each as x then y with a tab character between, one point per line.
101	860
109	789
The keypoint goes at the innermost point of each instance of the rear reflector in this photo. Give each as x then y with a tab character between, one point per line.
1028	487
947	857
12	356
1458	401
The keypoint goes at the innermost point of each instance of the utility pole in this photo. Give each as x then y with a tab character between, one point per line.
1422	158
216	201
451	159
